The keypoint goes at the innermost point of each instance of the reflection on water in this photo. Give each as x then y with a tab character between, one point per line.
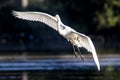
63	75
61	69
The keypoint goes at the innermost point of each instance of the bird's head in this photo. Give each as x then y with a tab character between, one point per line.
62	29
57	16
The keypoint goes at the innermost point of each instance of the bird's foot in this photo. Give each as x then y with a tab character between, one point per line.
76	56
75	53
81	57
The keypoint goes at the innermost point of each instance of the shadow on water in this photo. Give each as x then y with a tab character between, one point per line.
60	69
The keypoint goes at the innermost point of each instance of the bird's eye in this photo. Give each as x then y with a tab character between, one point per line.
62	27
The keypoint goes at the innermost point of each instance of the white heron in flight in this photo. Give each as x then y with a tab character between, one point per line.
76	39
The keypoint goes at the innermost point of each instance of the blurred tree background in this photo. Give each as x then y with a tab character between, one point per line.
88	17
98	18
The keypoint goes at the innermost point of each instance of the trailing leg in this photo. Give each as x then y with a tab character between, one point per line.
79	50
80	53
74	50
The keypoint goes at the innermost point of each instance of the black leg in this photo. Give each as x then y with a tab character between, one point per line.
80	53
74	50
79	50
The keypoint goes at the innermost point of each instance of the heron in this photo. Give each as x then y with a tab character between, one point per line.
77	39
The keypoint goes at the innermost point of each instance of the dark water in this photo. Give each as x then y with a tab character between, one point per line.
61	69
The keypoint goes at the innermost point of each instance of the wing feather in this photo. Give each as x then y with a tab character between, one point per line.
87	43
37	16
51	21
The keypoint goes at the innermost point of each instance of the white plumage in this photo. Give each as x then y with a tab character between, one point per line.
77	39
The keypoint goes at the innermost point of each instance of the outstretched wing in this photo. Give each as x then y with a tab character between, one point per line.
37	16
87	43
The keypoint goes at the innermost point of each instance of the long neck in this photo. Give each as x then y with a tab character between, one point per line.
62	29
59	24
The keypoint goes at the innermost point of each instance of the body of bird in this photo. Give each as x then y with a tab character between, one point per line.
75	38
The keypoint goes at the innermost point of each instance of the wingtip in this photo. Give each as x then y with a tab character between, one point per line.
13	12
96	60
95	57
98	68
